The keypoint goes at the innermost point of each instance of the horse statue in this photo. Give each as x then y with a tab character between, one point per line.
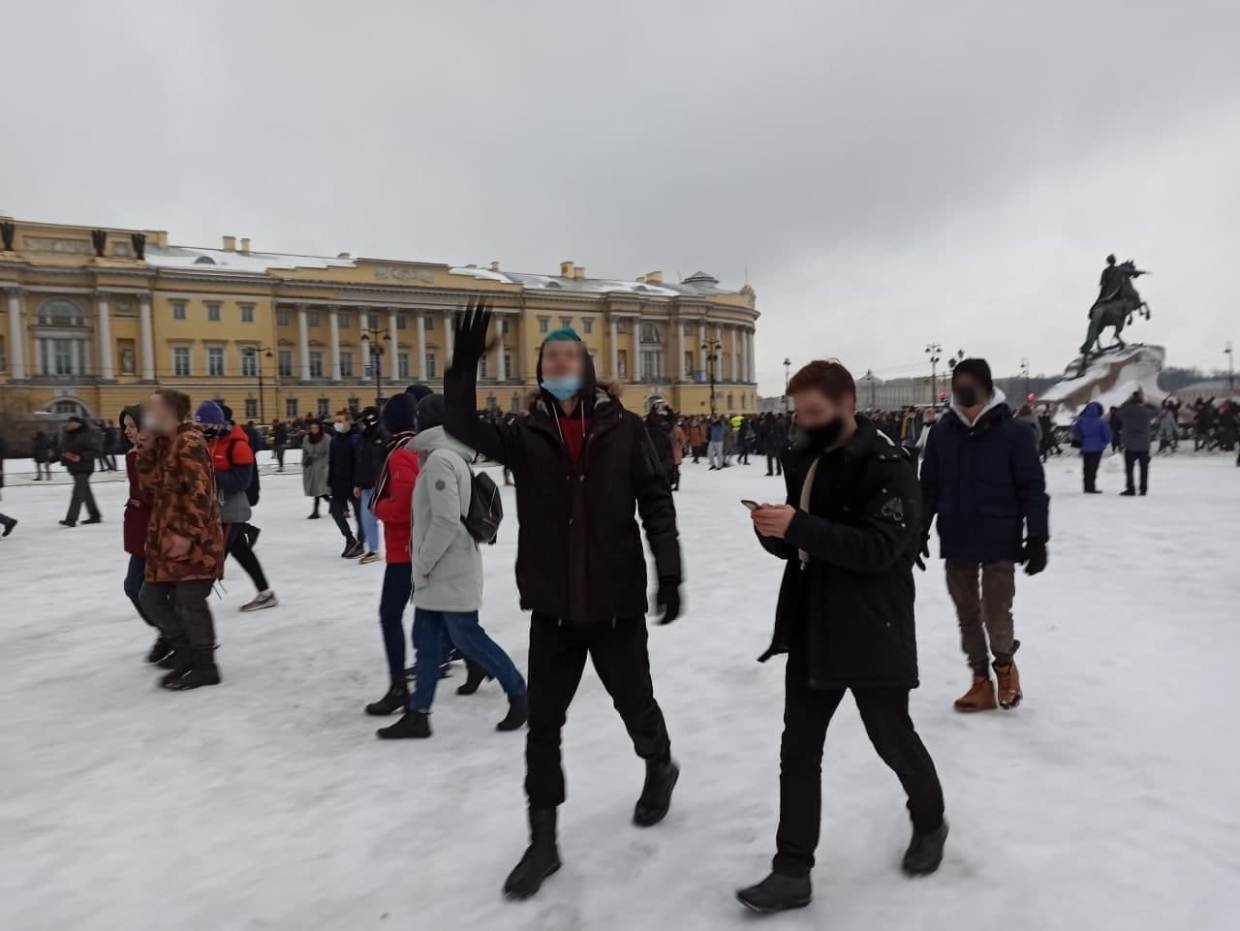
1117	302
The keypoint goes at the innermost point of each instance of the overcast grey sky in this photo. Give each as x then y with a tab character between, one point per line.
890	173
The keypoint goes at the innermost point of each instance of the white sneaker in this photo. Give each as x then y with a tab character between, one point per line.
370	557
265	599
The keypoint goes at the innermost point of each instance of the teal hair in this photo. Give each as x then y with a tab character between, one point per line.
563	334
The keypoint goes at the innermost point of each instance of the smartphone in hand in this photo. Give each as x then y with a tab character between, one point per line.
752	505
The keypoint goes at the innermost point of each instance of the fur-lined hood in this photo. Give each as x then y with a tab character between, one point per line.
606	390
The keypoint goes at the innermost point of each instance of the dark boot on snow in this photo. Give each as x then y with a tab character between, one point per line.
178	662
925	852
160	650
656	797
202	672
541	859
518	713
415	725
396	699
475	675
777	893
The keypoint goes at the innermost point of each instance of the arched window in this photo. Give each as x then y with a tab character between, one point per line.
68	407
59	312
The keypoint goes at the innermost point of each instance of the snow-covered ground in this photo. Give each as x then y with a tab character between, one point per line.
1110	799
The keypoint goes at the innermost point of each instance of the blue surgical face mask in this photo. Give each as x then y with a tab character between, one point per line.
563	387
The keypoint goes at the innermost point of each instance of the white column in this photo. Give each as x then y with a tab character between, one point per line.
147	339
394	362
104	339
681	366
497	368
333	323
419	370
520	368
17	337
615	350
449	318
751	375
702	343
303	342
718	342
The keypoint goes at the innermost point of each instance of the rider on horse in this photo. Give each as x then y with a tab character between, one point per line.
1117	301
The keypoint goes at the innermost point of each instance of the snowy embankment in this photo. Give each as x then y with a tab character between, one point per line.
1110	799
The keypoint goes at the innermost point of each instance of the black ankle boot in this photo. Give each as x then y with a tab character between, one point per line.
541	859
777	893
925	852
396	699
656	798
178	662
475	676
202	672
160	650
415	725
518	713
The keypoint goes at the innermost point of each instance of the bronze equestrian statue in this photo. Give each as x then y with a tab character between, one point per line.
1117	301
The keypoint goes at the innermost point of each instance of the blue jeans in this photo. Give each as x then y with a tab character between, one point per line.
463	629
133	585
397	590
370	523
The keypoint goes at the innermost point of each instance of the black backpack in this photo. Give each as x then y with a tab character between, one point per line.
486	510
251	490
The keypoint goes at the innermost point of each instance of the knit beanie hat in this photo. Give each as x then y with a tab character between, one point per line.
978	370
209	412
418	391
563	334
432	412
400	414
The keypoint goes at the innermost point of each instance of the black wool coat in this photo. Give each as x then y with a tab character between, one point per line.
579	551
848	610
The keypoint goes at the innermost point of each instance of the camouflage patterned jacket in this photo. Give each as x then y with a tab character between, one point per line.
184	540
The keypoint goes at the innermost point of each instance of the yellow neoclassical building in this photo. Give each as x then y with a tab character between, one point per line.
96	316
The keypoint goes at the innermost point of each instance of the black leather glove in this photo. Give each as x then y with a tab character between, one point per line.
470	328
923	554
1034	556
668	600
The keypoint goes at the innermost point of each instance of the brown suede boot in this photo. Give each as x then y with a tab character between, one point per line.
1009	685
980	697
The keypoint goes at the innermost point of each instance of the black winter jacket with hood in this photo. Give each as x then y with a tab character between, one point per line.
579	552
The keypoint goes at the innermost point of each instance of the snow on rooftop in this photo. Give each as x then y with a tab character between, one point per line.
240	262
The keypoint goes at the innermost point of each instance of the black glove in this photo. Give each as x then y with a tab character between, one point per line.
1034	556
923	554
668	599
470	335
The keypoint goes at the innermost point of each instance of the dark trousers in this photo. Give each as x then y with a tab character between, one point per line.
336	509
557	658
807	712
1090	462
774	466
133	585
397	590
1143	460
82	495
180	609
279	450
237	545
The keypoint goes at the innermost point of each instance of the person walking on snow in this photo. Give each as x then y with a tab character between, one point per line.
583	465
1093	434
341	475
1137	419
136	521
981	476
371	453
314	465
848	532
79	452
447	578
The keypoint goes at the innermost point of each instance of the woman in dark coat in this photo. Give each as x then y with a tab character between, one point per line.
137	517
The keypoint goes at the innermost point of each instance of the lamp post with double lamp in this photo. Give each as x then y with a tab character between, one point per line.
935	352
373	346
1231	370
1024	371
712	356
952	362
257	353
787	377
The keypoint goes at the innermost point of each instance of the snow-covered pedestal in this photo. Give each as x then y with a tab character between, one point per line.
1109	379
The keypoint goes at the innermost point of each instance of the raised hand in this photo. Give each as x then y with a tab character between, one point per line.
470	334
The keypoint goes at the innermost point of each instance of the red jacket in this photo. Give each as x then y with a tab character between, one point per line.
137	510
395	508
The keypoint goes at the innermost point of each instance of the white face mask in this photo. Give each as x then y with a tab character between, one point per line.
342	427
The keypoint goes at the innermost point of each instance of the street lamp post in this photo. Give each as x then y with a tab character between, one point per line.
371	345
787	377
1231	369
1024	371
935	352
257	356
712	356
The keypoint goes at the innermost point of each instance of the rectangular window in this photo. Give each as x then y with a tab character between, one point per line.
587	325
566	322
251	409
180	361
402	322
290	407
544	324
281	317
324	407
428	323
285	364
213	312
503	326
402	364
346	364
431	370
4	359
316	363
62	356
312	318
372	321
249	363
178	310
247	313
215	362
482	368
622	363
622	327
342	319
689	363
652	366
355	404
508	366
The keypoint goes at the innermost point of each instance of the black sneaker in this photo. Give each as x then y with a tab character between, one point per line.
8	527
160	650
68	523
777	893
925	852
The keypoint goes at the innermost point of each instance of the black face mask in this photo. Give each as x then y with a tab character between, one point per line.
825	436
967	396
